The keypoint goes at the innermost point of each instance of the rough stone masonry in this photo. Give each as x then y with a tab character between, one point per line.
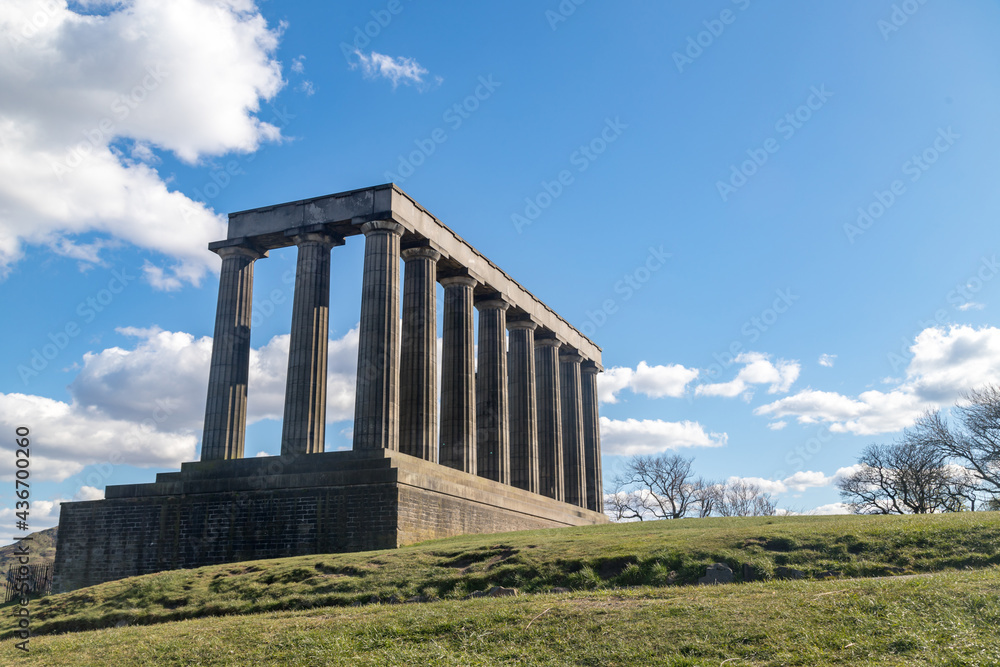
516	445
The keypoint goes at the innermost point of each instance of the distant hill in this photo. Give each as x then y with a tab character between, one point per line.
43	550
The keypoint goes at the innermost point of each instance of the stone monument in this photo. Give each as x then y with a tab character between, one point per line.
516	445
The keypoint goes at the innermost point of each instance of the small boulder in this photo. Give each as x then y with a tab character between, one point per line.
717	573
783	572
501	592
559	589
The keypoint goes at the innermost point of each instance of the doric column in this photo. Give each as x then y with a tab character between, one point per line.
304	427
492	416
592	437
376	408
418	356
458	376
523	410
226	406
574	460
550	449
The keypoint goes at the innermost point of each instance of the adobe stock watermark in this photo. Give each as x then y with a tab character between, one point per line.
86	312
364	34
704	39
626	288
960	298
454	117
562	12
915	168
103	132
32	24
786	126
900	15
580	159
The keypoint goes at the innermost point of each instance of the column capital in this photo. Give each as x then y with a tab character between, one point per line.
494	300
570	356
315	234
418	252
382	226
465	281
591	366
236	247
521	324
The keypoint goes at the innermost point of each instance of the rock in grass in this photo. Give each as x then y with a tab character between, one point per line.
717	573
783	572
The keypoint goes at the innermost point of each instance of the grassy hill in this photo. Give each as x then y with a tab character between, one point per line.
43	550
623	610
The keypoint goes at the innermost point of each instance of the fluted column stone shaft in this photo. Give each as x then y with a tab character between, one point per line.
458	376
523	408
226	404
376	409
303	430
492	415
592	437
550	449
418	355
574	458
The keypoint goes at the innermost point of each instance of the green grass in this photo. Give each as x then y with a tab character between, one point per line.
302	605
942	619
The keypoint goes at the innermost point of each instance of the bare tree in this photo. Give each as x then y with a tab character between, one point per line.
705	497
668	479
626	504
906	477
974	440
740	497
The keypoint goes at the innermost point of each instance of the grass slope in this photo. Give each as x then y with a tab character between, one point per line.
590	558
42	545
949	618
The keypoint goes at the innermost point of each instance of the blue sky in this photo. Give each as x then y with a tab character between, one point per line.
777	219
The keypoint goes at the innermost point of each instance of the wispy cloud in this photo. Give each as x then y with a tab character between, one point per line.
827	360
398	70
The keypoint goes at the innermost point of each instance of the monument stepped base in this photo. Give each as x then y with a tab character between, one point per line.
269	507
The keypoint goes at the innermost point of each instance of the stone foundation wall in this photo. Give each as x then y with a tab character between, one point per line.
248	509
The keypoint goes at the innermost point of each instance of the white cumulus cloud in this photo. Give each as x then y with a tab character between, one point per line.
652	381
945	362
87	100
758	369
649	436
144	406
